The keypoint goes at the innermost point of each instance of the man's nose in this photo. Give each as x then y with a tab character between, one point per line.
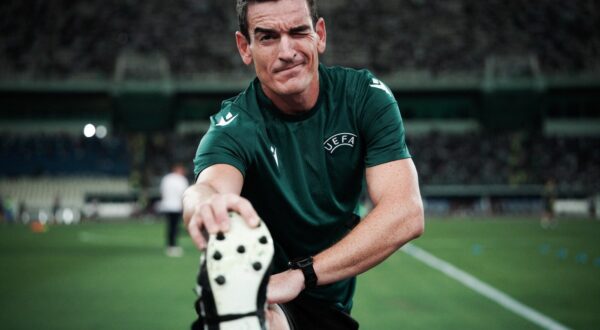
287	50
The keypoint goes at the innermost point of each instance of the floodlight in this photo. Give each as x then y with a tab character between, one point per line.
89	130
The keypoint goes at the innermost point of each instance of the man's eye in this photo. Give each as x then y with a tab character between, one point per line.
266	37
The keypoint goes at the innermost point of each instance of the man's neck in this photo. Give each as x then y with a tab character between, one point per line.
295	104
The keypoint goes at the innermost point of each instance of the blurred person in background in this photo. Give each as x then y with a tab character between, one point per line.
293	148
2	210
56	207
23	216
6	210
548	220
172	187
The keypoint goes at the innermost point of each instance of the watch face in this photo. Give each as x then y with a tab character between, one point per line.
305	262
301	262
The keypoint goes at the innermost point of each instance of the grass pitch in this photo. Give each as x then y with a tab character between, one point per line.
115	276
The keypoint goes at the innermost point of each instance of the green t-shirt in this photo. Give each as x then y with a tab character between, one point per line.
304	174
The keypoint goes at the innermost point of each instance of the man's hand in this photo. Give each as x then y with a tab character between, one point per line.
212	215
206	203
285	286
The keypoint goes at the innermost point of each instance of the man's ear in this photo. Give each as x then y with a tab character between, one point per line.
322	34
243	47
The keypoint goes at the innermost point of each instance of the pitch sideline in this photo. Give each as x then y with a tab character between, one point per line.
483	288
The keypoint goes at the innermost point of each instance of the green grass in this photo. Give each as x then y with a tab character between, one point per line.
544	269
115	276
94	276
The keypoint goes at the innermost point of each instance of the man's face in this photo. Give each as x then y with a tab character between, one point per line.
283	45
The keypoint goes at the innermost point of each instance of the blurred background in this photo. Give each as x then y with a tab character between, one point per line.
501	103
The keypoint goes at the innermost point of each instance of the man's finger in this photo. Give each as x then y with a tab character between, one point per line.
219	206
208	219
247	212
195	234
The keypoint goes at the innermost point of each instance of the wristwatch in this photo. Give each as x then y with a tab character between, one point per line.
306	266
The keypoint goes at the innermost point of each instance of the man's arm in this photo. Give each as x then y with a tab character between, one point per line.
207	202
397	218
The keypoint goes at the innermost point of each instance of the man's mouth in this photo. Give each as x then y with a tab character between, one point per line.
287	68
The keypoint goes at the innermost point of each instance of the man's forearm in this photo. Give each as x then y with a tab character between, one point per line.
385	229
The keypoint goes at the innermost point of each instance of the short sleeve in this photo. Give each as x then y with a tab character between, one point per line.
381	124
219	147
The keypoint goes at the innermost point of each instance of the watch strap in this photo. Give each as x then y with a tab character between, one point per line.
306	266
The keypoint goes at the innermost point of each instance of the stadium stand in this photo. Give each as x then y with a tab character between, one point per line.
514	158
36	168
39	168
110	44
65	39
507	159
38	196
72	190
62	154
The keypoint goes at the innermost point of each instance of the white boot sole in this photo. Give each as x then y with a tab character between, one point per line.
237	262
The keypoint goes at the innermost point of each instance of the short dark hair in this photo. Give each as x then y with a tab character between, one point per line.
242	13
